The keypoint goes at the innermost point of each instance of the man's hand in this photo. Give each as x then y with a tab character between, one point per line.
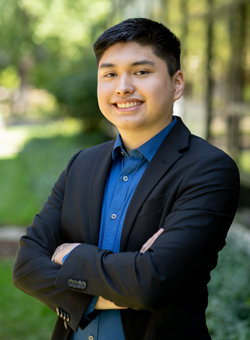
106	304
102	303
150	241
63	250
66	248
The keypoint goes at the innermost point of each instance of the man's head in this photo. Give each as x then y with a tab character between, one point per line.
139	78
144	32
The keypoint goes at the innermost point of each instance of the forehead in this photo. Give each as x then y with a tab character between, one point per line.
129	52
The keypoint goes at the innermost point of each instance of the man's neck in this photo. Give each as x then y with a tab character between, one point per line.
133	139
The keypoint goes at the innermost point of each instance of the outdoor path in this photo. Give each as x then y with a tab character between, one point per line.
10	235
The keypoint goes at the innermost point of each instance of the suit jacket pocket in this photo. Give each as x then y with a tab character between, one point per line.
183	334
154	204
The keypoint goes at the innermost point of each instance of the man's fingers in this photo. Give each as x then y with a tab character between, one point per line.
150	241
103	304
63	250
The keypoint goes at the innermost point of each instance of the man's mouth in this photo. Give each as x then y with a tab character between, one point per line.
127	104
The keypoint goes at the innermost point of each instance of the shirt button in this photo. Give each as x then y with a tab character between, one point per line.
91	337
113	216
125	178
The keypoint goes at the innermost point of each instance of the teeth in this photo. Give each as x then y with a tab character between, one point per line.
123	105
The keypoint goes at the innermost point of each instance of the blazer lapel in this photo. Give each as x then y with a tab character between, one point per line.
168	153
96	190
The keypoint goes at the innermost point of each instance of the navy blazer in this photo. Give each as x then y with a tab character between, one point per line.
190	189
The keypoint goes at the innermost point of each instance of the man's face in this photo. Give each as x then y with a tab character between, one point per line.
135	90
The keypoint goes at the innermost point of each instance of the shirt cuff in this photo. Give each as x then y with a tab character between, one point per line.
64	258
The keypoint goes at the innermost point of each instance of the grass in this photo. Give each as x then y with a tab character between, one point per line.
21	316
27	179
16	202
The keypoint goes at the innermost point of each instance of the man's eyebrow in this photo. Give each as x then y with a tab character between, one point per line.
143	62
105	65
136	63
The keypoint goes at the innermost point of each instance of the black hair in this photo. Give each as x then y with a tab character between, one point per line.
144	32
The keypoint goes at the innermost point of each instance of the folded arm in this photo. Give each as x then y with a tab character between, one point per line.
194	232
64	249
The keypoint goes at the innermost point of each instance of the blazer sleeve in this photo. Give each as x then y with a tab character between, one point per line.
194	232
33	271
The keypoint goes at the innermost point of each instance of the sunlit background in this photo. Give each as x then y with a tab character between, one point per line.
49	111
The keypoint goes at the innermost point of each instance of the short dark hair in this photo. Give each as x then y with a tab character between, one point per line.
144	32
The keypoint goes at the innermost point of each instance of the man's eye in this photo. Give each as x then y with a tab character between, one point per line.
110	75
142	72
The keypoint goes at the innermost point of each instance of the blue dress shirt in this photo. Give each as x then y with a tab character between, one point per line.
125	174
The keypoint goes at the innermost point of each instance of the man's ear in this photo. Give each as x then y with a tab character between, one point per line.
178	81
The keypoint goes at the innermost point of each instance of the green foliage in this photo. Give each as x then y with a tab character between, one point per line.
46	44
228	313
77	92
16	27
45	37
9	78
244	161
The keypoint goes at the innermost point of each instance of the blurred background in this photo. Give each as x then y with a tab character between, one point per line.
49	111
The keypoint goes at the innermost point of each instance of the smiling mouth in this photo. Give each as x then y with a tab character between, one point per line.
127	104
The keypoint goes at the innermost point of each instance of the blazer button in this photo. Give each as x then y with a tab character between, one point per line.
76	284
70	283
83	285
57	311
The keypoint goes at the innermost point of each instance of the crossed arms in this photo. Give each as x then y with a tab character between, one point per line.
195	227
66	248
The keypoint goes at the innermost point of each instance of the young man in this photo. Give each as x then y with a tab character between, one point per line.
133	226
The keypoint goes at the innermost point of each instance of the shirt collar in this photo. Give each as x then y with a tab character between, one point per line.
148	149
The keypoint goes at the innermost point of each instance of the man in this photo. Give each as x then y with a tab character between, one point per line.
133	226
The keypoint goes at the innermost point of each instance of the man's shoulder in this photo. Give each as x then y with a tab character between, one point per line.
88	156
96	149
189	144
203	158
204	149
197	151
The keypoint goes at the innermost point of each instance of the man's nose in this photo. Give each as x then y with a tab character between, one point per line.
124	85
